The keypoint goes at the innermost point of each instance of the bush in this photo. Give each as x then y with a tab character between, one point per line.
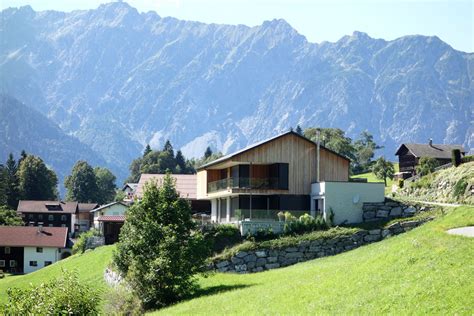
467	159
306	223
456	157
460	188
60	296
401	182
120	301
221	236
426	166
81	242
261	235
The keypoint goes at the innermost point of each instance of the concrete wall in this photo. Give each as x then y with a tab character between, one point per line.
48	254
346	199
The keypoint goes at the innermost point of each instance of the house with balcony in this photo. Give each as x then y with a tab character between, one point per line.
271	176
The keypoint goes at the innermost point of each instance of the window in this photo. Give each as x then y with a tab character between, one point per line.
50	217
47	263
33	263
12	263
7	250
40	217
2	263
63	225
50	225
39	249
30	216
63	218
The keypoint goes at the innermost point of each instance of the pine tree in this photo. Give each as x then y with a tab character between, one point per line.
299	130
147	150
169	148
12	183
159	253
23	155
181	162
208	152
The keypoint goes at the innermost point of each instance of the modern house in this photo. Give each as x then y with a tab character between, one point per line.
186	185
276	175
109	219
409	155
25	249
49	214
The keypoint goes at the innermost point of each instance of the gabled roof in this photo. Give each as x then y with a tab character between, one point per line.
186	184
229	156
107	206
86	207
132	186
28	236
439	151
25	206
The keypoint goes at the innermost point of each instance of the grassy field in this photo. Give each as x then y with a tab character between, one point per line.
372	178
90	268
425	271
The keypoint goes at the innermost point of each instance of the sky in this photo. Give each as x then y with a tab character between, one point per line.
318	20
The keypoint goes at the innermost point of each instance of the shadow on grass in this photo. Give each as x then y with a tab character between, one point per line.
211	290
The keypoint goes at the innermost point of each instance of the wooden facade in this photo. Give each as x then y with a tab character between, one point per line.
298	152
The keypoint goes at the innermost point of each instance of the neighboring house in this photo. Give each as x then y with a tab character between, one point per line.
84	217
409	155
26	249
268	177
49	214
186	185
109	219
129	189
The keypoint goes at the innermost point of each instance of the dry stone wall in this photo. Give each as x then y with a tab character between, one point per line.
267	259
389	209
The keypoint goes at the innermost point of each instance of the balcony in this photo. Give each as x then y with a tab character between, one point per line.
243	183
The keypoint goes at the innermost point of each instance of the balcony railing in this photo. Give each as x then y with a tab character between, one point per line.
243	183
259	214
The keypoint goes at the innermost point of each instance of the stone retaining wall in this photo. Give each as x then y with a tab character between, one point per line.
389	209
266	259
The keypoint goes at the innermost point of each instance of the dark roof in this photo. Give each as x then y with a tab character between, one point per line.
108	205
112	218
46	207
86	207
439	151
28	236
132	186
229	156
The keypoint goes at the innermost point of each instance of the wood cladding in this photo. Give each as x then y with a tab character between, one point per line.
299	153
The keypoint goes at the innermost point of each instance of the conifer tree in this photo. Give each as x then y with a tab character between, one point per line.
147	150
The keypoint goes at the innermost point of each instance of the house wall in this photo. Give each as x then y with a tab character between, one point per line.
35	218
16	253
116	209
201	184
30	254
346	199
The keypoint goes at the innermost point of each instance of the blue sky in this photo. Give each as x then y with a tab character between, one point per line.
318	20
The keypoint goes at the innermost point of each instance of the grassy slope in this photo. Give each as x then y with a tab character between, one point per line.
90	268
372	178
425	271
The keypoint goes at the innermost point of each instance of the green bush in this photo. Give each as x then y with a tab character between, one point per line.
221	236
306	223
423	182
261	235
60	296
81	242
426	165
401	183
121	301
456	157
460	188
467	159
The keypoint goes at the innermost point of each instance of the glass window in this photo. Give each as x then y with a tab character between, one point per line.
39	249
50	225
7	250
12	263
63	218
50	217
2	263
30	216
40	217
63	225
47	263
33	263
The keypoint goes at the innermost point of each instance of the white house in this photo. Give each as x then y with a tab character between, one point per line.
109	219
26	249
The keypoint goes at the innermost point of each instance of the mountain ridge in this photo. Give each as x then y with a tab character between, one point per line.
135	78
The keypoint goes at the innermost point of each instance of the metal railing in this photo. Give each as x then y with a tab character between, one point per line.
259	214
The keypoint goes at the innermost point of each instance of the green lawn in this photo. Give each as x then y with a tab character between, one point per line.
425	271
90	268
372	178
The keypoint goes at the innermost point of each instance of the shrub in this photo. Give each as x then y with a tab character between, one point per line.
262	234
401	182
306	223
221	236
456	157
460	188
426	166
467	159
60	296
423	182
289	217
81	242
160	252
121	301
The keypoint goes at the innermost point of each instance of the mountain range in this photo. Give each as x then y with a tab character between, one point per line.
113	80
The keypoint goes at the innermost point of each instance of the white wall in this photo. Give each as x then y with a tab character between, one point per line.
346	198
48	254
214	210
116	209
